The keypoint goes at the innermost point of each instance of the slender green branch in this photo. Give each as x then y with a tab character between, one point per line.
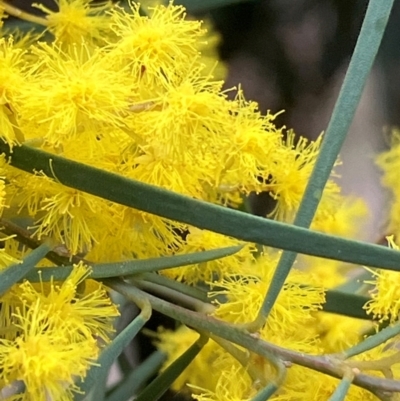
174	296
361	62
161	384
382	364
371	341
346	304
194	292
112	350
331	365
343	388
137	377
130	267
171	205
14	273
265	393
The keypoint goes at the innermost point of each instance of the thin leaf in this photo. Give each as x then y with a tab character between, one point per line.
346	304
14	273
164	381
137	377
161	202
194	292
361	62
127	268
265	393
373	341
111	352
341	390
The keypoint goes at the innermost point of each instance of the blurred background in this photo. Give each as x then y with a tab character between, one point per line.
292	55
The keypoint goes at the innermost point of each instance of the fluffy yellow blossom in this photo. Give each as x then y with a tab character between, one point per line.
174	142
12	79
78	20
175	343
341	216
292	317
92	312
233	384
338	333
82	313
50	334
385	298
43	356
293	163
139	235
246	150
302	384
158	48
74	91
389	162
199	240
182	116
71	217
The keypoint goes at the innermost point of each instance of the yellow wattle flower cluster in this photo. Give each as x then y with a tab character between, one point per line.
52	334
389	162
133	94
137	100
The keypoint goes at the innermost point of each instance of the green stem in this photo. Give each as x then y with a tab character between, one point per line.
176	285
360	65
265	393
137	266
161	384
14	273
137	377
343	388
174	296
382	364
325	364
372	341
111	352
174	206
345	304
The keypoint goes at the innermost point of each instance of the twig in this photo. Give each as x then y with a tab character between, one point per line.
322	363
59	255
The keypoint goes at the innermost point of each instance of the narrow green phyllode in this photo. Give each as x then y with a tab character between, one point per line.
361	62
